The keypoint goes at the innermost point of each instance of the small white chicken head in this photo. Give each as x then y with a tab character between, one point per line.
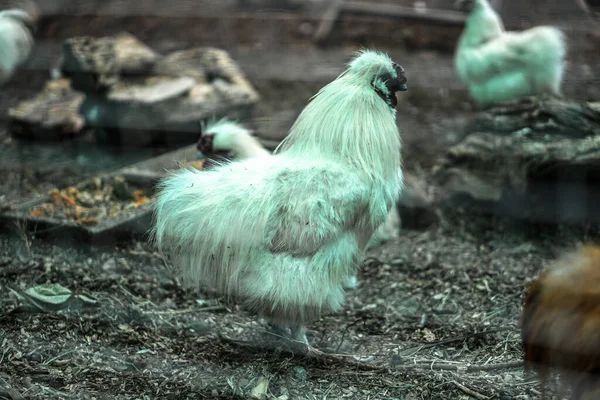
209	142
387	76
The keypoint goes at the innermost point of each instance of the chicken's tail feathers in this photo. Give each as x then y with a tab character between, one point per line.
548	51
197	223
554	42
544	44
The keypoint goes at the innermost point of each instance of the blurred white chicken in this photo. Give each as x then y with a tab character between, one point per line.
16	40
282	234
497	65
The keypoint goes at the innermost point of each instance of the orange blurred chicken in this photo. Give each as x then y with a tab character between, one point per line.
561	323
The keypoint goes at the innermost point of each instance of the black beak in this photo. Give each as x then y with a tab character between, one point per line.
393	85
398	84
205	144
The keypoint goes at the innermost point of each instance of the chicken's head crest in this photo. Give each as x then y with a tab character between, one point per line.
385	76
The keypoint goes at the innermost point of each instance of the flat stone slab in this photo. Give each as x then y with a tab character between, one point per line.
53	114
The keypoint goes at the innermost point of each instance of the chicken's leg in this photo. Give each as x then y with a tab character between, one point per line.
299	335
279	330
293	333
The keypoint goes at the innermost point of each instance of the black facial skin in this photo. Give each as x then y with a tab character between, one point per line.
393	85
205	143
464	5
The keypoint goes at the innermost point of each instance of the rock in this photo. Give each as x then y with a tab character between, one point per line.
95	64
540	116
213	67
134	97
90	63
167	107
133	57
53	114
537	159
153	90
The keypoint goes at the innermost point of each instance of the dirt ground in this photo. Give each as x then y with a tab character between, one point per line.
435	315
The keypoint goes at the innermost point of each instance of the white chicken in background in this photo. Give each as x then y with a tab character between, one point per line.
282	234
16	40
497	65
230	136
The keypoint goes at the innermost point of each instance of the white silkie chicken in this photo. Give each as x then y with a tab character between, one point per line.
230	136
497	65
16	41
282	234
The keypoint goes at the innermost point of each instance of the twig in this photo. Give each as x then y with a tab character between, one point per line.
50	361
21	226
470	392
218	307
14	270
344	334
345	359
407	352
461	367
11	394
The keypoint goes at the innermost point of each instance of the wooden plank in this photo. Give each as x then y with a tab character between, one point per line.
328	20
392	10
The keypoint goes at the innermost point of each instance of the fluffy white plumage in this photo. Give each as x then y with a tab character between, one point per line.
230	136
16	41
499	65
233	137
282	234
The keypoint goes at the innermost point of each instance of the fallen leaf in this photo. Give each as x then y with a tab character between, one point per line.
55	196
44	298
87	221
89	300
138	194
260	391
141	201
36	212
68	201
